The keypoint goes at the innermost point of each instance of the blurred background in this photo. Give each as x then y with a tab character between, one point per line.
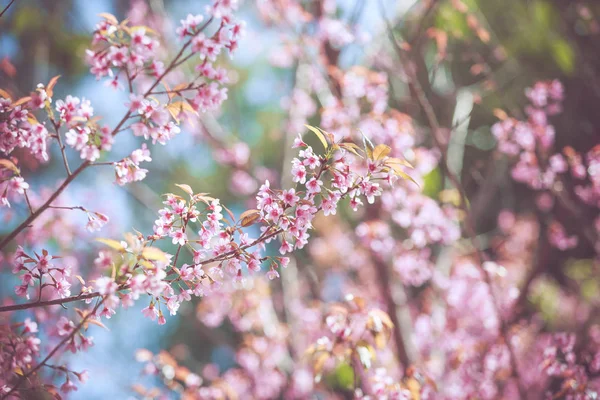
532	40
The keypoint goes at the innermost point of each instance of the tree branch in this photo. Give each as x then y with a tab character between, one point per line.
54	351
434	124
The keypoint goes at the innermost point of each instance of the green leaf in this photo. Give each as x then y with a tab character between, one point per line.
342	377
381	151
111	243
153	253
432	183
318	133
563	55
351	147
368	145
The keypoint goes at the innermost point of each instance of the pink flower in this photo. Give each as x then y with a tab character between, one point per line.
63	288
329	203
150	312
68	386
29	326
96	221
314	186
64	326
22	291
272	274
298	142
17	184
286	247
43	263
299	173
106	285
189	25
289	197
135	102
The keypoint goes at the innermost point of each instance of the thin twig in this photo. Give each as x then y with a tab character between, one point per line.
6	8
28	202
434	124
86	164
61	145
16	307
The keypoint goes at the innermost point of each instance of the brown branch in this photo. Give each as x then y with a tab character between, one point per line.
6	8
43	208
329	58
81	296
434	124
62	146
28	202
86	164
383	275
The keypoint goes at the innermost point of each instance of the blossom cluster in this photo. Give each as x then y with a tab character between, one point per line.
130	56
19	128
541	167
439	316
40	270
572	375
19	346
281	213
221	251
83	135
127	51
128	169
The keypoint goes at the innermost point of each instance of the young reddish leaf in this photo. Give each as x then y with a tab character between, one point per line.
139	389
168	90
96	322
500	114
80	279
185	188
181	86
22	100
146	264
177	107
319	362
5	94
51	84
7	164
249	217
230	213
203	198
109	17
